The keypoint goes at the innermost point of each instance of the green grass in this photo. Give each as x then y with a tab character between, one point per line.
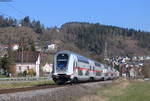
4	85
3	76
136	91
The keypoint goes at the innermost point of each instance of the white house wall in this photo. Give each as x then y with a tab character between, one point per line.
48	68
20	68
37	66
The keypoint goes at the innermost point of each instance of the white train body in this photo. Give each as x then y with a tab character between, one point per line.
72	67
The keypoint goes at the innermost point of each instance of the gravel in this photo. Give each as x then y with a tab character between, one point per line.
67	93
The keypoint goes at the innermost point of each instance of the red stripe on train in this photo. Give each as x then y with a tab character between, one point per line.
82	68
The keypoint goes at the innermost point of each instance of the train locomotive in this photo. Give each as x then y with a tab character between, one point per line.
72	67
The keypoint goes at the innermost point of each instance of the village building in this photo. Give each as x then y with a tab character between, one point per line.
27	60
15	47
47	68
50	46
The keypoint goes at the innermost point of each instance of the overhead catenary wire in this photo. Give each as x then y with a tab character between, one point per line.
4	14
17	10
5	0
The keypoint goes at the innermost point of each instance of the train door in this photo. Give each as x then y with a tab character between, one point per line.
75	70
92	69
91	73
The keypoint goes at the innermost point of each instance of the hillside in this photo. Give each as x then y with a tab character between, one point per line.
17	34
84	38
120	41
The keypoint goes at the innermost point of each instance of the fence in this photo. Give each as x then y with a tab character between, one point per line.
25	78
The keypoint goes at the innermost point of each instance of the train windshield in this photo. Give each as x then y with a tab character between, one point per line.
62	60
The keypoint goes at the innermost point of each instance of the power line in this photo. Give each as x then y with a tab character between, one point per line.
20	12
17	10
5	0
4	14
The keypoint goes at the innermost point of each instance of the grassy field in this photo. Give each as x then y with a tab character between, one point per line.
7	85
136	91
3	76
122	90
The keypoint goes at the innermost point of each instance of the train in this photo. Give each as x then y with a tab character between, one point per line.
70	67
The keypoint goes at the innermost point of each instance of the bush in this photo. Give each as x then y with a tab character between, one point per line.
146	71
31	72
24	73
20	74
12	69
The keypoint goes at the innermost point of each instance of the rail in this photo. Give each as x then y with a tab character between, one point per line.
25	78
146	79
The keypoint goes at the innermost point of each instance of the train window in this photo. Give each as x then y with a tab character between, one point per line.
90	67
82	59
97	64
93	68
106	67
62	60
106	74
61	63
87	73
80	72
62	56
53	68
98	73
74	64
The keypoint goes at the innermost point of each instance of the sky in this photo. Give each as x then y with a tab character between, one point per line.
123	13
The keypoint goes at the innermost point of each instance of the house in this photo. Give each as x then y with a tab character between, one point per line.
147	58
2	71
28	60
50	46
38	48
134	58
3	50
15	47
47	68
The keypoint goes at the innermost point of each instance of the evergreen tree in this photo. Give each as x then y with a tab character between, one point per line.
26	21
33	47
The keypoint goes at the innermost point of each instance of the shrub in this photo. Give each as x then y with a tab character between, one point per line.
146	71
12	69
31	72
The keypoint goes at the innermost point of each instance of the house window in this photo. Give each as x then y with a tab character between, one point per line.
20	68
27	67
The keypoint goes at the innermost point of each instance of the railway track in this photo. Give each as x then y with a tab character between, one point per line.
23	89
14	90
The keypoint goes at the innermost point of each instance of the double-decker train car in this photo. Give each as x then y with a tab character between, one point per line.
71	67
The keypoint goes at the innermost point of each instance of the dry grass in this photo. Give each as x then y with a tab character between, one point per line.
104	93
121	90
93	98
146	70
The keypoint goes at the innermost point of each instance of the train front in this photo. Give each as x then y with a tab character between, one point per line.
60	68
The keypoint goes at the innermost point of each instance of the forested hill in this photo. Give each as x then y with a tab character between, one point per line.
84	38
119	41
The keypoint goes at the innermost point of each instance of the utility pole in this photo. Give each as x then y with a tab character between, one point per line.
105	52
21	53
